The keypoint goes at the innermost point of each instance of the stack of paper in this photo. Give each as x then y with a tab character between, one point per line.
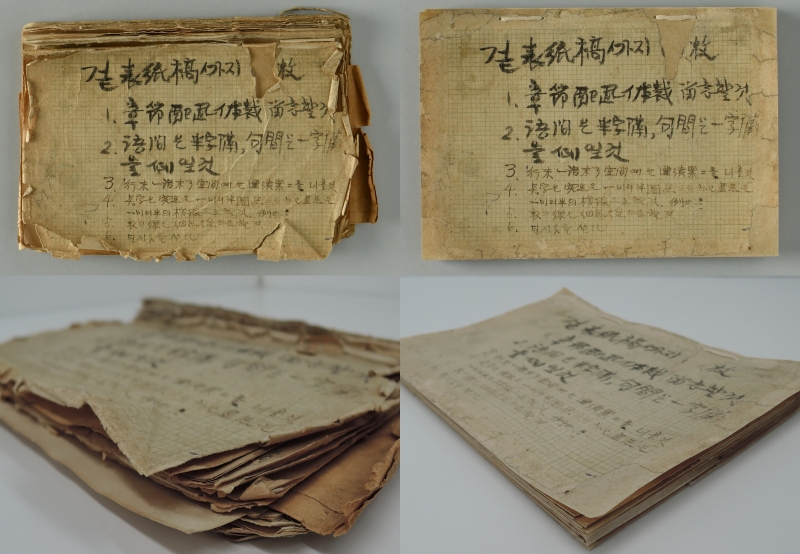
595	418
206	419
193	137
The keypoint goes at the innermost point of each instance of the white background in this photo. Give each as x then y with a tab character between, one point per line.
45	508
456	501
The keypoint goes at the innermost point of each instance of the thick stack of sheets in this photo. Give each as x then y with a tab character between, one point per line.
596	419
206	419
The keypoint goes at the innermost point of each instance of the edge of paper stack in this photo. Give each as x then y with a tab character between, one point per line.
688	467
317	483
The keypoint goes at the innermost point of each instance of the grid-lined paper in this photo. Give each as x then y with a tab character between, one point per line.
167	395
585	407
566	137
163	149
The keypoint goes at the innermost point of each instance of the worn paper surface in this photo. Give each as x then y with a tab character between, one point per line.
125	487
160	504
241	144
584	407
197	386
330	501
166	395
553	133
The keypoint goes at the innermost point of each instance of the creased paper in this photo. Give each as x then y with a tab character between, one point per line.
202	418
184	138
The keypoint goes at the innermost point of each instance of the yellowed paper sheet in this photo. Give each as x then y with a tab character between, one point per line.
576	133
583	406
150	384
201	138
224	412
354	478
331	500
126	488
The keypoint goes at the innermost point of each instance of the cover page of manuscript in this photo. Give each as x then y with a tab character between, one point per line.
193	137
575	133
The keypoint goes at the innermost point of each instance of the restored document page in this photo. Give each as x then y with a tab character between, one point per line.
193	137
550	133
205	419
595	418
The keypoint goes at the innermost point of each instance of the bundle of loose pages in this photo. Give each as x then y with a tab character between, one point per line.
193	137
596	419
207	419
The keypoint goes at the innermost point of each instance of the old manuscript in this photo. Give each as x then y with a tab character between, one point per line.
205	419
595	418
191	138
604	133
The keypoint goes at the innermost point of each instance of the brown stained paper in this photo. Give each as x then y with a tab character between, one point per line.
194	137
596	418
203	418
574	133
330	501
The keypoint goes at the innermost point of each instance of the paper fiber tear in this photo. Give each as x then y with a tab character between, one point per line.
363	198
57	245
333	62
358	101
270	247
675	34
262	60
